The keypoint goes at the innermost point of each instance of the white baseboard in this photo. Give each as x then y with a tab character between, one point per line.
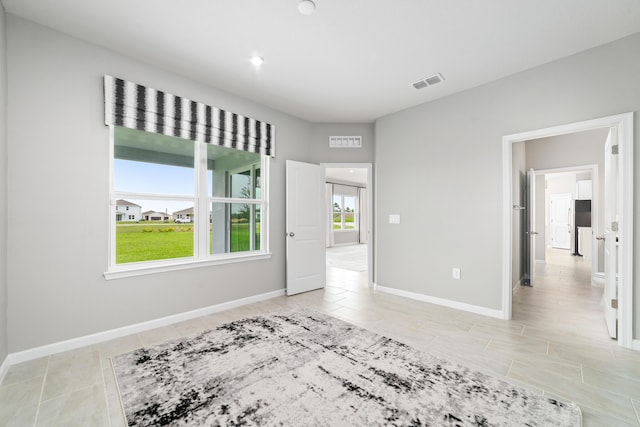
516	287
444	302
72	344
4	368
635	344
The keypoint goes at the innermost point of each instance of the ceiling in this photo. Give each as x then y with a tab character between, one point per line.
350	61
347	175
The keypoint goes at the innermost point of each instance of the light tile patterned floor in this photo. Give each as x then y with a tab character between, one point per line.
349	257
556	344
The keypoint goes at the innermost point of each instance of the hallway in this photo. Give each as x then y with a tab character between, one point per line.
562	299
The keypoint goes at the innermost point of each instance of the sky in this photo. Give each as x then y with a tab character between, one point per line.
141	177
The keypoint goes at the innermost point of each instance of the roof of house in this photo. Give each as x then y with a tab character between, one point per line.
188	211
155	213
122	202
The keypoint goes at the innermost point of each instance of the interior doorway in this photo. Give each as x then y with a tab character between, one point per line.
622	125
560	214
349	217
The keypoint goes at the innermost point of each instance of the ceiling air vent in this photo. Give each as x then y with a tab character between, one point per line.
345	141
420	84
429	81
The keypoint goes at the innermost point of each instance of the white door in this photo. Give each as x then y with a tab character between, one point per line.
560	220
611	231
305	227
531	223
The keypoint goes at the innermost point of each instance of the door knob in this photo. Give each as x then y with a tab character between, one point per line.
599	237
292	234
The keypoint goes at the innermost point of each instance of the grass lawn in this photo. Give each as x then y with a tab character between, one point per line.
136	242
145	242
240	239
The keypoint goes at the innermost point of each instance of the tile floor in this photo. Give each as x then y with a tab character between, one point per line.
350	257
556	344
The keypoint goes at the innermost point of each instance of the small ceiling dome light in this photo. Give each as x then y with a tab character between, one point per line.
306	7
256	60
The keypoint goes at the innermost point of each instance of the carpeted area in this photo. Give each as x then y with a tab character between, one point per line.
304	368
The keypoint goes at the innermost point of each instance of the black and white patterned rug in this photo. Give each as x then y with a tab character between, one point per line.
304	368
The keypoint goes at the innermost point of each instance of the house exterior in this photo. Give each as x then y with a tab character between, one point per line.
127	211
185	215
156	216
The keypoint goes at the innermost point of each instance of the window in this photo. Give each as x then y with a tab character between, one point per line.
211	196
344	212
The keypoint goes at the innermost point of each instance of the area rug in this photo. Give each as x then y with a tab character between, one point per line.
304	368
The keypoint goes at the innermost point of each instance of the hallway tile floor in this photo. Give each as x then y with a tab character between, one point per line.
556	344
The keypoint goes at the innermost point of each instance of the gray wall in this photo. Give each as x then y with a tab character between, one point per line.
439	166
59	157
321	153
3	188
576	149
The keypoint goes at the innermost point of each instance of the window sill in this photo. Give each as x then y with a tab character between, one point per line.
143	269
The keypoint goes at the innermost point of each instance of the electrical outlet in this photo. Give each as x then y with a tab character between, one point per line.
456	273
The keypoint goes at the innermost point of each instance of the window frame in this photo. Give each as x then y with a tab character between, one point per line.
251	168
201	203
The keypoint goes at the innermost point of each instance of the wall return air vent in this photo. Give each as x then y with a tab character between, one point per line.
429	81
345	141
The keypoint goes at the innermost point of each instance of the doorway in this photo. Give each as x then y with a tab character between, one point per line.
560	214
349	218
623	125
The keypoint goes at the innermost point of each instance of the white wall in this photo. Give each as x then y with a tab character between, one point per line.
58	148
439	166
3	188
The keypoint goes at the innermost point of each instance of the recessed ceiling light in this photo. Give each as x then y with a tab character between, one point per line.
256	60
306	7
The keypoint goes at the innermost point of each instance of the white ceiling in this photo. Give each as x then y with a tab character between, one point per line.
352	60
347	175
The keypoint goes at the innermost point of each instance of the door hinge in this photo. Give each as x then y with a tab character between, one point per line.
615	149
614	303
614	226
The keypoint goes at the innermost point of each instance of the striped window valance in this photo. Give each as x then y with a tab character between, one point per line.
139	107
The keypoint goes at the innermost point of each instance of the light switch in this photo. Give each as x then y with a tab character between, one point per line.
394	219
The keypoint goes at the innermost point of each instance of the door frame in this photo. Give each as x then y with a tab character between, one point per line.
371	219
624	124
595	203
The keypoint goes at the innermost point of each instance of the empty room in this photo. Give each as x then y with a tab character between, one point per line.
312	213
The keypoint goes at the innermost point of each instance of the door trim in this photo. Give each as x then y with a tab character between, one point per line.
624	124
371	221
